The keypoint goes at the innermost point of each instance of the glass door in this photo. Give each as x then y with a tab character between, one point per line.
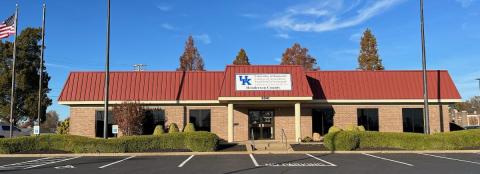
260	123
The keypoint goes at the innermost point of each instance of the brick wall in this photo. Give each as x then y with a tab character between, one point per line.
82	121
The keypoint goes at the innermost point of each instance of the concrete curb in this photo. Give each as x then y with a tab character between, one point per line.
235	153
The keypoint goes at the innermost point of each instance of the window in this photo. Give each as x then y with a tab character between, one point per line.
153	118
6	128
200	119
99	124
368	118
412	120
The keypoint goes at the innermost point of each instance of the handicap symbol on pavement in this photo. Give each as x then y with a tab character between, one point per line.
65	167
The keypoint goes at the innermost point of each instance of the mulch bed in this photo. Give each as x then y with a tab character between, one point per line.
168	150
471	148
231	147
378	149
309	147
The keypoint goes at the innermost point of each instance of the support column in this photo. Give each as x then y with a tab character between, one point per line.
298	127
230	122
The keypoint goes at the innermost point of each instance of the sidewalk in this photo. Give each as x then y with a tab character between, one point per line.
236	153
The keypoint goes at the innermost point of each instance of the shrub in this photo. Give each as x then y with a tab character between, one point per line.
172	128
351	127
195	141
63	127
201	141
158	130
307	139
129	116
360	128
342	140
189	128
334	129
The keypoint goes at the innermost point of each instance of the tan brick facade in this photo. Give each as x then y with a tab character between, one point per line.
390	118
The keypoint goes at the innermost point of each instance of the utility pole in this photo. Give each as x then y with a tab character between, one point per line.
424	67
139	67
107	75
40	82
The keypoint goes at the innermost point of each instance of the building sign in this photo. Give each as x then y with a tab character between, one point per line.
263	82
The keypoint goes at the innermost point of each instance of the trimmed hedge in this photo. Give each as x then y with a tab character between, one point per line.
457	140
195	141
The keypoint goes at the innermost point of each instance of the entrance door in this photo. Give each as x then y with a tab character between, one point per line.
260	123
322	120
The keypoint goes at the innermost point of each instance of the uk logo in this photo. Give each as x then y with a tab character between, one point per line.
245	81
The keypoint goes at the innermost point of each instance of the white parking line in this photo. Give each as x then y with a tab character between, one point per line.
454	159
36	163
101	167
185	162
254	160
317	158
386	159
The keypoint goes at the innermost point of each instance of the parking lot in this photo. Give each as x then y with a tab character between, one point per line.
249	163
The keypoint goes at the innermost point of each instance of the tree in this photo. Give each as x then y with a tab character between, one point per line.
27	70
191	59
471	105
129	116
50	123
369	58
64	127
296	55
242	58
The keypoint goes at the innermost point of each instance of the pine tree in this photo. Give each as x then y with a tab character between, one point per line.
191	59
296	55
242	58
369	58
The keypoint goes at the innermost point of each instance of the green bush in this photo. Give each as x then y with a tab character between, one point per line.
201	141
63	127
158	130
350	140
360	128
195	141
351	127
172	128
189	128
334	129
342	140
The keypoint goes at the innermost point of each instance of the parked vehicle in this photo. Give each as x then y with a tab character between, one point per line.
17	132
472	127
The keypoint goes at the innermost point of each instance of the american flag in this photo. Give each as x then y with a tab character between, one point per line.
7	27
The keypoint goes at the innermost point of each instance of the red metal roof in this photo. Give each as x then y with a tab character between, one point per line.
209	85
364	85
144	86
300	87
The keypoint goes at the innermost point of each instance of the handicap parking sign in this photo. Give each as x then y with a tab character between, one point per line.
36	130
115	129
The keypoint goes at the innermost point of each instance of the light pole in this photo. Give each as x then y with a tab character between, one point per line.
478	84
107	75
424	68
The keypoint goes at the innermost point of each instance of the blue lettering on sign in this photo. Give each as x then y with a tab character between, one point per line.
245	81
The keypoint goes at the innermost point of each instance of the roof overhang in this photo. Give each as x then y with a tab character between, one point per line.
387	101
140	102
264	98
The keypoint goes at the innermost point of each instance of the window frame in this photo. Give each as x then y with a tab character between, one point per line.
364	112
201	112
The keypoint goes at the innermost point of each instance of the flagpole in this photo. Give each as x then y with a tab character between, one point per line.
41	69
107	75
12	94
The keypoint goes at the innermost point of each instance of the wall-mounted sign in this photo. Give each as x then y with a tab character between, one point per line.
263	82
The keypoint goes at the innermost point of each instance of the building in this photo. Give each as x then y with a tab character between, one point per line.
262	101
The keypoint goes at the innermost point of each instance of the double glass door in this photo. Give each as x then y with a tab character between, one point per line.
260	123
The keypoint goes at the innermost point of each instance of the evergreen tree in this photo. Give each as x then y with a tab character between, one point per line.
369	58
27	76
242	58
296	55
191	59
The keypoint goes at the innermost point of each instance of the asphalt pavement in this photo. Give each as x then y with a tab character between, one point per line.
410	163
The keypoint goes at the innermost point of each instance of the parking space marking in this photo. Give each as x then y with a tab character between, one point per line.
101	167
454	159
386	159
185	162
254	160
317	158
36	163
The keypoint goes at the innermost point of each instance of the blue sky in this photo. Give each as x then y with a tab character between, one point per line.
153	32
